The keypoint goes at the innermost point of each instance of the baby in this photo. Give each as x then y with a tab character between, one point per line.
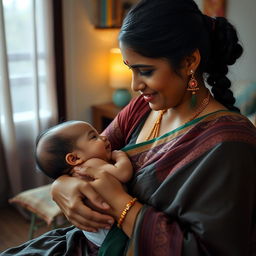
76	143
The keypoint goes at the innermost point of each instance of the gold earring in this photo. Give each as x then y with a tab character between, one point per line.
193	87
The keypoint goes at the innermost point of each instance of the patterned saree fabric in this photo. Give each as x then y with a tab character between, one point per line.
197	183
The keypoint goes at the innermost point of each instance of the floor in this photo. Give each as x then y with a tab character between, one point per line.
14	228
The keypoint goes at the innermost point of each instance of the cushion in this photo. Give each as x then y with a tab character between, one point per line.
38	201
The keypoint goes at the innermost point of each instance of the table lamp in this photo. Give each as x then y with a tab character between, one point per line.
120	78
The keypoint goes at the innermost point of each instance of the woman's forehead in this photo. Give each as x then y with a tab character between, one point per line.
130	57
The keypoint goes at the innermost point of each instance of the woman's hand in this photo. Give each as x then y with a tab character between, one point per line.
109	188
70	193
113	192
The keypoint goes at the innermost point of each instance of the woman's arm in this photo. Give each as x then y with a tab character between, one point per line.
70	193
113	192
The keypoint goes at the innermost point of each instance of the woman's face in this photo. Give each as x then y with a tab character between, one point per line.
155	79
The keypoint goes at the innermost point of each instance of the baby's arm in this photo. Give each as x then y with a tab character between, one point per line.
121	169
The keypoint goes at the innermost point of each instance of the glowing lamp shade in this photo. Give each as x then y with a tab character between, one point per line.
120	75
120	78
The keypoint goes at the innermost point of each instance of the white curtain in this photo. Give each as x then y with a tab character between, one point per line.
27	90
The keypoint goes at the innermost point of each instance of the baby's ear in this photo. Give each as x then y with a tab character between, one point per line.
73	159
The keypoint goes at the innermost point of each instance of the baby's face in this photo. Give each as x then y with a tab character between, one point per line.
90	144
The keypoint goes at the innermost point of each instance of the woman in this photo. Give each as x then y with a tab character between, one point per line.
194	175
193	154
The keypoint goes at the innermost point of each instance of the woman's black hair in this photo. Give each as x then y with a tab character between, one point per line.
174	29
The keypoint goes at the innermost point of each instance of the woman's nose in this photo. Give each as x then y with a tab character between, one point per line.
137	85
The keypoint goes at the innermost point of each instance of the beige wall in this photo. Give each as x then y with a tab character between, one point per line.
87	48
86	58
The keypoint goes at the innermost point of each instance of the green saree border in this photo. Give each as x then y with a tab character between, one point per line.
176	132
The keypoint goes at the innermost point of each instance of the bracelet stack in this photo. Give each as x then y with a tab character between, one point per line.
127	208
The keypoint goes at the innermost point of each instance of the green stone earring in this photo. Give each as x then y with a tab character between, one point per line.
193	87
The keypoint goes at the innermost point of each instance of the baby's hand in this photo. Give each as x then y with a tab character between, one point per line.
117	154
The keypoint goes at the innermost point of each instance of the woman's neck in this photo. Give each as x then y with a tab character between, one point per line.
175	117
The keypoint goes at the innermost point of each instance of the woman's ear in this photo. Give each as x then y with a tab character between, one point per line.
192	61
73	159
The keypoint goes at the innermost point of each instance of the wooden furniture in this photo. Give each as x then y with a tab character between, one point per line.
103	114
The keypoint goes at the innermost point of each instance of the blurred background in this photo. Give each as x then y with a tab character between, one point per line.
58	62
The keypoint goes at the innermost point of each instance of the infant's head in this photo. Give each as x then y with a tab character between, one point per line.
69	144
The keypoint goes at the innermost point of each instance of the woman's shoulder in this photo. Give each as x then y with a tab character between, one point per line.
228	126
229	118
132	115
134	111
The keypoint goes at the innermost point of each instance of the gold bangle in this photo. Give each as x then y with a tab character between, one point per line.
128	206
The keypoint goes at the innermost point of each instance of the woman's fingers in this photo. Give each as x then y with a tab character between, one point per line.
71	194
90	220
108	187
93	198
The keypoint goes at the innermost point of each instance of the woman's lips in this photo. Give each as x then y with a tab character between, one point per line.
148	97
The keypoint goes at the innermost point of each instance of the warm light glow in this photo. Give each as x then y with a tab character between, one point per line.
120	75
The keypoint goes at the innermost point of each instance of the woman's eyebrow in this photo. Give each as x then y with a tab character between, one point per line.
139	66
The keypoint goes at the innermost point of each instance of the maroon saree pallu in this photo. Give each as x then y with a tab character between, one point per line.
197	183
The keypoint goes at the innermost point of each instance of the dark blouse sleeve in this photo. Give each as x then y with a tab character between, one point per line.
213	212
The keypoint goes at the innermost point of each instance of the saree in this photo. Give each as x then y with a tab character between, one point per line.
197	185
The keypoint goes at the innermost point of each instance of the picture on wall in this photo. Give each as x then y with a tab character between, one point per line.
215	8
111	12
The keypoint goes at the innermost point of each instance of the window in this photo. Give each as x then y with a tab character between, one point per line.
25	24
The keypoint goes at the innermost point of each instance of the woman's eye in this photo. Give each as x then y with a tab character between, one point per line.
146	72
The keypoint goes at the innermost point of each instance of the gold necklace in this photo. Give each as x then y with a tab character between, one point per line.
154	133
156	128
